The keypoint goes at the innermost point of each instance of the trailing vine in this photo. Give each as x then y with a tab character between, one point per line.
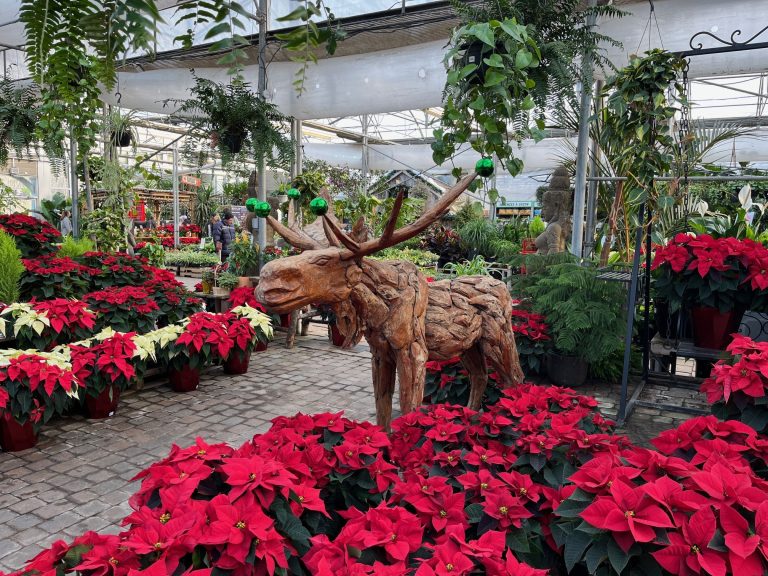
303	40
19	113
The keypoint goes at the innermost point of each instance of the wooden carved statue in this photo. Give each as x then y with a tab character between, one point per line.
556	212
405	319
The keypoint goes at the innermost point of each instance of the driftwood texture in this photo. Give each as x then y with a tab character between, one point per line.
405	320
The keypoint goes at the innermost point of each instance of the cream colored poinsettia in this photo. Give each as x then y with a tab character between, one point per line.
258	321
57	357
24	315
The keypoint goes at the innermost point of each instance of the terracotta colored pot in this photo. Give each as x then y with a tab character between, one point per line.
237	363
712	328
261	347
244	281
185	380
285	320
14	436
102	406
337	338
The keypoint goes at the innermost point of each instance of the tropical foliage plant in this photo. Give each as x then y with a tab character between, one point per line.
19	114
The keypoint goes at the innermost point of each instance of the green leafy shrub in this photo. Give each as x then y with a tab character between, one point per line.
478	236
154	253
585	314
190	258
11	269
475	267
422	258
536	227
72	248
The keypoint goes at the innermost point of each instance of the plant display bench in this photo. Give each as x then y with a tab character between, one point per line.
303	317
214	303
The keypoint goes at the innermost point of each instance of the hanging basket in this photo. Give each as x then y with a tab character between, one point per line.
233	141
122	139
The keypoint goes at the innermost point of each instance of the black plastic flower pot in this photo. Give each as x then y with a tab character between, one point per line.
566	371
233	141
122	139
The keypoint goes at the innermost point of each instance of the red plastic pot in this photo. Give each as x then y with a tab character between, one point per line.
237	362
104	405
337	338
14	436
712	328
261	347
285	320
184	380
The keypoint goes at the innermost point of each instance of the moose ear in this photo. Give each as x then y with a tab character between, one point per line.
359	231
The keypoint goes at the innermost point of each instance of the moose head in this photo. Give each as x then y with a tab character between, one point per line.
327	275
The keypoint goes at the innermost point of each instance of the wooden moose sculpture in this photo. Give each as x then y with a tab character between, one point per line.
405	319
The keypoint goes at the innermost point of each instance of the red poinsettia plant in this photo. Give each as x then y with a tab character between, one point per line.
50	277
202	341
109	363
172	297
115	268
532	338
245	296
737	388
33	237
35	387
124	309
723	273
43	325
447	381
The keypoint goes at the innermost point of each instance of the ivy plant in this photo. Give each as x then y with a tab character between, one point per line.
492	94
302	42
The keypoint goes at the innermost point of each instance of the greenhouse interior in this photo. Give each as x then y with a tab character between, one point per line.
384	287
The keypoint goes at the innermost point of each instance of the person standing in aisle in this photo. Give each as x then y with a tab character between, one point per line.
65	226
224	235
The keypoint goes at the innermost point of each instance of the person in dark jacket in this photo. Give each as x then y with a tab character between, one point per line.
224	234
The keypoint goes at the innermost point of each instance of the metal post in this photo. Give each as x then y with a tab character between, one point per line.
583	146
589	234
175	195
631	302
366	152
75	189
261	193
647	298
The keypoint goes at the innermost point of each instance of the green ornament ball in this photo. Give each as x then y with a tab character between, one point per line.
484	167
293	194
263	209
318	206
250	204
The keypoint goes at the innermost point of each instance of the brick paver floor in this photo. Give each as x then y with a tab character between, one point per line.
78	477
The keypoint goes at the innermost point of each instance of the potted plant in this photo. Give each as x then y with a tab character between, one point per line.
532	338
225	283
202	341
33	387
105	368
236	119
715	279
243	259
121	130
43	325
34	238
124	308
248	328
207	281
334	334
585	316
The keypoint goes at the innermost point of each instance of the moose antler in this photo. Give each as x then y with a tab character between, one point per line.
391	236
295	238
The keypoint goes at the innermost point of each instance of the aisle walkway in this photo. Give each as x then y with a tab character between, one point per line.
78	477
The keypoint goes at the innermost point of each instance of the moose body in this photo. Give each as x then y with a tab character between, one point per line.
405	319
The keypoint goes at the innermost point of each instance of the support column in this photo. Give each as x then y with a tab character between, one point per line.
262	87
74	188
297	165
175	196
582	151
366	152
592	187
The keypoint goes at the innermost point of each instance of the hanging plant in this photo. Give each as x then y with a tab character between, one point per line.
508	62
122	132
19	113
237	122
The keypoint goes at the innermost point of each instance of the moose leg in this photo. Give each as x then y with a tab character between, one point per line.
503	358
383	371
474	361
411	372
